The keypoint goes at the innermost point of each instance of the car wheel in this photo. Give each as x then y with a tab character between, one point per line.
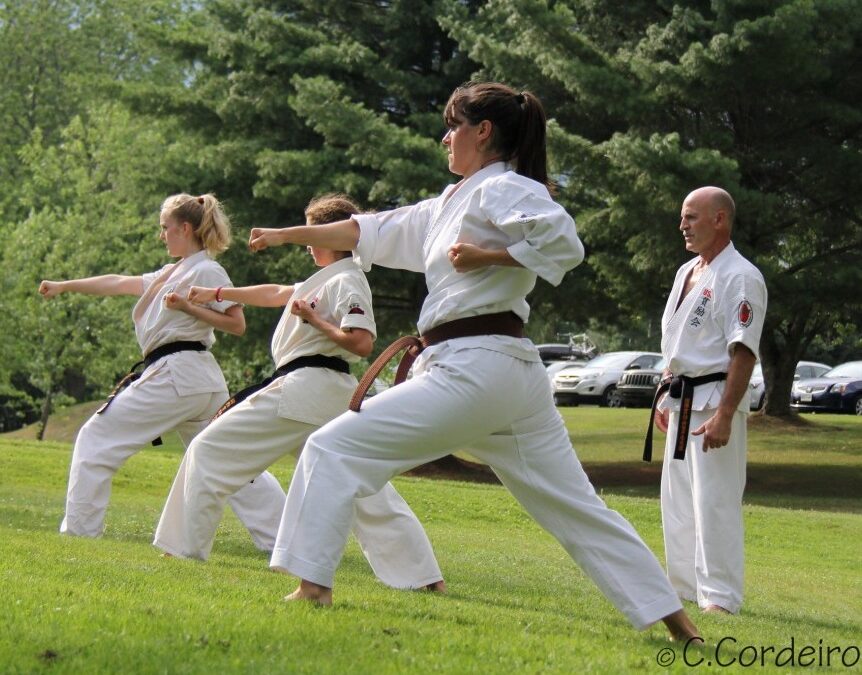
858	406
611	398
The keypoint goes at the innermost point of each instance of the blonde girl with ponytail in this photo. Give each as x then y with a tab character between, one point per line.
178	385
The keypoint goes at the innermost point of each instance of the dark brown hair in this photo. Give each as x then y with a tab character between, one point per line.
518	120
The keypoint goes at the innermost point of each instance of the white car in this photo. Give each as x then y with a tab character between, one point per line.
757	387
597	380
555	367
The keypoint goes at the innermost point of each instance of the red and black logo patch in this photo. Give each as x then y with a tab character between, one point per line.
355	309
745	313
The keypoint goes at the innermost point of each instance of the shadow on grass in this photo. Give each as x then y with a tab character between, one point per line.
803	486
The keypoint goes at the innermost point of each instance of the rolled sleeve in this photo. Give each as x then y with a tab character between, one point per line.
545	237
393	238
363	254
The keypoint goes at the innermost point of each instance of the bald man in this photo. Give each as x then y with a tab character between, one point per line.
710	337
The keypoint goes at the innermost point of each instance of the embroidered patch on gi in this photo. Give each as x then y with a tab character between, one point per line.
526	218
696	318
355	309
745	313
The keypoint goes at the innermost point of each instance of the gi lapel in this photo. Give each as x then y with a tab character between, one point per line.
459	193
675	321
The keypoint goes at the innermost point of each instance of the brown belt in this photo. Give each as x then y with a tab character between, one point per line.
501	323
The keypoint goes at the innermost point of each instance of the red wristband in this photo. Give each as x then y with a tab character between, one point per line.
218	293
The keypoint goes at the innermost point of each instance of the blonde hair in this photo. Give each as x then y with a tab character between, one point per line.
206	216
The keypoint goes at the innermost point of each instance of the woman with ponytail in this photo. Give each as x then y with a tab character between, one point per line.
178	385
478	383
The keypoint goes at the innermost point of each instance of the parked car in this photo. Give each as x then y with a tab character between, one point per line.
597	380
636	387
837	390
555	367
757	387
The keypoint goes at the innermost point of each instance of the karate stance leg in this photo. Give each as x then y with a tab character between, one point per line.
475	394
538	465
246	440
140	413
233	450
258	504
394	541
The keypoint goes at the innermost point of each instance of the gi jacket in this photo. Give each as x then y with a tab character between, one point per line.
340	294
726	306
495	208
155	324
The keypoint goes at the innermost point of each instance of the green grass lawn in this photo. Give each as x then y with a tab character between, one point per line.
516	601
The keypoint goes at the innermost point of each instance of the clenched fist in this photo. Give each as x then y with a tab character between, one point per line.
263	237
48	289
201	295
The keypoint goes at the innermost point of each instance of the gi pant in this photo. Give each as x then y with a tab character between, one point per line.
499	407
701	507
149	408
240	444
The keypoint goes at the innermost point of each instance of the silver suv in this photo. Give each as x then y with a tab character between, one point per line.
596	382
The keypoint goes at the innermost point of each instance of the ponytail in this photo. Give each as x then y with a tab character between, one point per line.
531	154
518	121
206	216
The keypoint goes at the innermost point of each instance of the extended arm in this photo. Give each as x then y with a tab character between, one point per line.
716	430
342	235
106	284
231	321
356	340
262	295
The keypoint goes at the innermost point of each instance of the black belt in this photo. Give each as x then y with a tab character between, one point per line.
313	361
681	387
159	352
499	323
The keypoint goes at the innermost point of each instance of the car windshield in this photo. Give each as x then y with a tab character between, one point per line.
852	369
611	360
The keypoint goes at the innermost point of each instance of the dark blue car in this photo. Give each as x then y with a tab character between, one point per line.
838	390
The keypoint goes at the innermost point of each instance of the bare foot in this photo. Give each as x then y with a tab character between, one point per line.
311	592
716	609
681	627
436	587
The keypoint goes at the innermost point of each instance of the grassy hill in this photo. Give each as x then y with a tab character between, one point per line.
517	604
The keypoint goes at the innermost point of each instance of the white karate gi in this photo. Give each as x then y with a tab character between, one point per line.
701	496
181	392
277	420
488	394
